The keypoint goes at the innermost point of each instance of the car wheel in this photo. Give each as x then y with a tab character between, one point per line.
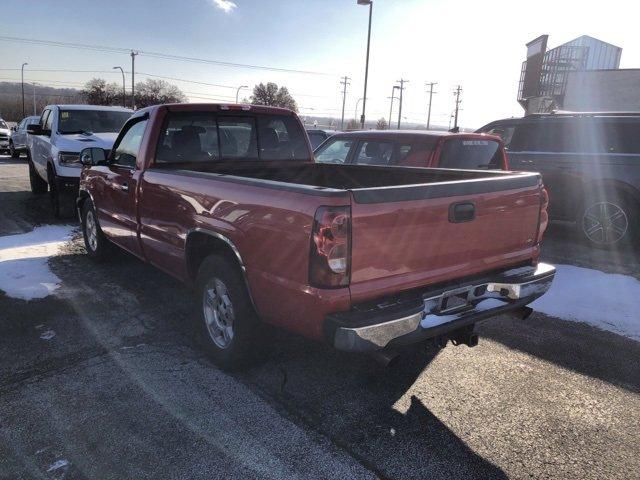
12	151
608	221
95	242
61	203
38	185
228	324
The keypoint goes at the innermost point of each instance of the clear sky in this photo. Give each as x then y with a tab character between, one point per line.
479	45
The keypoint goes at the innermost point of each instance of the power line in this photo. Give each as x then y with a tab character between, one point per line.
166	56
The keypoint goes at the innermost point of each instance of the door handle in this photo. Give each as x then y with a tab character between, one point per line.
124	187
462	212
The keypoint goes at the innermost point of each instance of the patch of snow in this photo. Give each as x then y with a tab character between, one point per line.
47	335
24	272
609	301
57	465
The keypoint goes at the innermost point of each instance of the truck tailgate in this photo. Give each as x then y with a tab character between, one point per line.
417	236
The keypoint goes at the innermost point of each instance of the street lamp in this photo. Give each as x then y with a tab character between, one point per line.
366	70
393	96
124	87
238	91
22	71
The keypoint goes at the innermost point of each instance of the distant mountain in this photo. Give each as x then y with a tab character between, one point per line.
11	99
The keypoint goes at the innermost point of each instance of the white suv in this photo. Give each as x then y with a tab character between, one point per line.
54	145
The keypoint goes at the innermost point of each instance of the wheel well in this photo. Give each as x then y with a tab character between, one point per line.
82	197
623	190
200	245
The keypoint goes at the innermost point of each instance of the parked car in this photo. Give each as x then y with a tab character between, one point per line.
317	136
228	198
590	163
18	139
5	133
415	149
54	144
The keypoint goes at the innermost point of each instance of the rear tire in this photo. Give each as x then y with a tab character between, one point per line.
95	242
227	325
38	185
609	221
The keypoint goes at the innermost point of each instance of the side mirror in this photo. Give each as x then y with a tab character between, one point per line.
34	129
93	156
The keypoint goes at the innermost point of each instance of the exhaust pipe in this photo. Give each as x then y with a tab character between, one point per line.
385	358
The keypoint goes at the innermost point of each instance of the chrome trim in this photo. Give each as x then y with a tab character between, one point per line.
375	336
528	284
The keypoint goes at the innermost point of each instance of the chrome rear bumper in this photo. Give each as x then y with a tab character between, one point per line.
433	315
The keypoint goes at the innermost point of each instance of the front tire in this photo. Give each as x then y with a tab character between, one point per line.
13	152
228	325
38	185
609	221
95	242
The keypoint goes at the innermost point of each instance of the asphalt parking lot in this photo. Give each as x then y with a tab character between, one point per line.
103	380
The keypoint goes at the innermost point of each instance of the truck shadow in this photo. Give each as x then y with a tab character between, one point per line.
571	345
368	410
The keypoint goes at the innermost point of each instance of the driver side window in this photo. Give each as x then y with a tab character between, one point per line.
126	152
334	151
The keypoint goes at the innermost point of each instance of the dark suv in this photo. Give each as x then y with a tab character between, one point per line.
590	163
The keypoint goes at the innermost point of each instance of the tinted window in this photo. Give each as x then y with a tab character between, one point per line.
316	139
609	135
126	152
238	138
281	138
471	154
504	131
374	153
94	121
189	138
334	151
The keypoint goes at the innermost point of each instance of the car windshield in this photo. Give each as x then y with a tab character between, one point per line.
471	153
3	124
91	121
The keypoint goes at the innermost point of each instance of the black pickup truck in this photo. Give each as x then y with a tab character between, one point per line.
590	163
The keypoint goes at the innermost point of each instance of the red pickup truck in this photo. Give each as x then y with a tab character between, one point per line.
229	199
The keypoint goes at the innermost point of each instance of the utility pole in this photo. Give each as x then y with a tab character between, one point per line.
34	98
133	79
345	82
401	87
392	97
431	92
457	92
22	82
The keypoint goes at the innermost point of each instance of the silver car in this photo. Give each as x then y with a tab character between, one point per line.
18	140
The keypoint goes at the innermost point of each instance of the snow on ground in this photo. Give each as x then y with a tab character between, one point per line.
609	301
24	272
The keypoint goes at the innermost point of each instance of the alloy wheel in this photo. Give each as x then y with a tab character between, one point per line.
605	223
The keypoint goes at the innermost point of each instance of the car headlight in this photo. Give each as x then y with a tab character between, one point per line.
69	159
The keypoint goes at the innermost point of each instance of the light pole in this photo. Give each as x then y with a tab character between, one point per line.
124	87
393	96
238	91
355	113
34	98
22	71
366	70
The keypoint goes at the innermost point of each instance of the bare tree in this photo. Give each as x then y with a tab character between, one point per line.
353	124
98	92
273	96
155	92
382	124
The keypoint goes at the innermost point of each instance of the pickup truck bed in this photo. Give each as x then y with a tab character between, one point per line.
319	244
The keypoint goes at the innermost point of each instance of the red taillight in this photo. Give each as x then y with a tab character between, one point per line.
330	247
544	216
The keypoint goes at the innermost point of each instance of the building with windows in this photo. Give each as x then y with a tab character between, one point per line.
581	75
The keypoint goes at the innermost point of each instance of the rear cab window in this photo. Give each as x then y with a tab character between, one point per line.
212	136
471	153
